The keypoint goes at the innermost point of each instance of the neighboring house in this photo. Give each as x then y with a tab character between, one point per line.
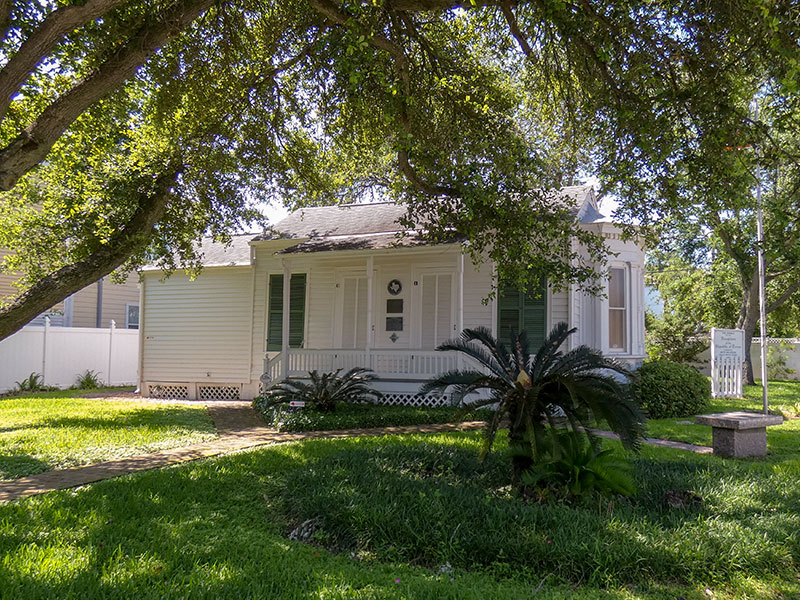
338	289
96	305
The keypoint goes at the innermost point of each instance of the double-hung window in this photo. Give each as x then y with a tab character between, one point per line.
618	310
132	315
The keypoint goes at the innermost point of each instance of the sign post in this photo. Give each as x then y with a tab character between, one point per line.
727	358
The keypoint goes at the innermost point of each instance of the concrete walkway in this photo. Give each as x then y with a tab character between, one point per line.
240	427
659	442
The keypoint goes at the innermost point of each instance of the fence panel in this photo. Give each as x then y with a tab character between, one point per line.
60	354
789	348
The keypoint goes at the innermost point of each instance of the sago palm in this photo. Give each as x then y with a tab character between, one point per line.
539	394
325	390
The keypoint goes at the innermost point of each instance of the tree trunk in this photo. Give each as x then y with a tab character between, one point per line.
521	459
748	321
31	146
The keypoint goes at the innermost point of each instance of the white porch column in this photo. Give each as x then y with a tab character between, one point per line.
460	306
370	316
287	279
603	317
494	299
460	314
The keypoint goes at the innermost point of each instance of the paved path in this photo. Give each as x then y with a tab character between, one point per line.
658	442
240	427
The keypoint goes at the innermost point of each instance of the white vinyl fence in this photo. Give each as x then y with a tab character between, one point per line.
60	354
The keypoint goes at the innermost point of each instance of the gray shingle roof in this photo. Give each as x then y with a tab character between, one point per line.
217	254
347	219
357	227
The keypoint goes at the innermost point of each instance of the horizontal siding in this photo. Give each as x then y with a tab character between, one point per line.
116	296
197	331
6	279
84	307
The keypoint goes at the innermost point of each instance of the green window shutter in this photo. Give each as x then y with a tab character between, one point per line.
508	317
534	315
517	312
297	312
275	314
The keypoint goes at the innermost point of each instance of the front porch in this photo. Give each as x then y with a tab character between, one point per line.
400	372
385	311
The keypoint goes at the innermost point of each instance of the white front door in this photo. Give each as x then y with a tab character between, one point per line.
436	323
393	301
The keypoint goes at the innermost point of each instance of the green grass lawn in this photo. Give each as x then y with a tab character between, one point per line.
390	513
52	430
782	440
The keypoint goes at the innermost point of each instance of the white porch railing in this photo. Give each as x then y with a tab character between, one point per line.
387	364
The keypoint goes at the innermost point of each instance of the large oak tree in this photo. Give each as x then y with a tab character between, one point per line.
131	128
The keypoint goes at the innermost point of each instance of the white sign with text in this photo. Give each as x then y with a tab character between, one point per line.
727	358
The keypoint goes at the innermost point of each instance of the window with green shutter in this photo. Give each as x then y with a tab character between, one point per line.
519	311
297	311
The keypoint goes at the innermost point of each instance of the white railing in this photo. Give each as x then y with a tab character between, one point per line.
387	364
272	368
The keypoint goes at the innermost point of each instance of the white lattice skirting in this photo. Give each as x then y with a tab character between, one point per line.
398	399
192	391
217	392
168	391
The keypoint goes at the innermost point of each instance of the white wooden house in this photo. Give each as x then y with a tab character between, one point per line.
336	288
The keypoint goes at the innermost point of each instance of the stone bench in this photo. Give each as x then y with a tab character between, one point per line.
739	434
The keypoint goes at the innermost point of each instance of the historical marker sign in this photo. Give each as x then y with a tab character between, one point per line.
727	358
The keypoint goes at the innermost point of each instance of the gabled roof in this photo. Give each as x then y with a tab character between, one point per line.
367	226
345	219
217	254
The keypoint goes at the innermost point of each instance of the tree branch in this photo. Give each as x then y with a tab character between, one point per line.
5	17
69	279
435	5
39	44
31	146
522	40
381	42
787	293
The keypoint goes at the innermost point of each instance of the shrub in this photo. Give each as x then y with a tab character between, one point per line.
529	387
668	337
777	361
88	380
32	383
667	389
324	391
576	468
357	417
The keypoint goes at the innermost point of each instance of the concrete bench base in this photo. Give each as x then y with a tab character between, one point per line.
739	434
